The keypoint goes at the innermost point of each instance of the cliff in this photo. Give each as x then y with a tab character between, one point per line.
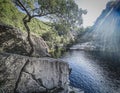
115	5
105	33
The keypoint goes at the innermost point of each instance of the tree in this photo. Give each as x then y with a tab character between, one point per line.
73	15
71	20
65	10
39	8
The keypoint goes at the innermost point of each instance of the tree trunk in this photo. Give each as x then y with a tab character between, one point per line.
26	21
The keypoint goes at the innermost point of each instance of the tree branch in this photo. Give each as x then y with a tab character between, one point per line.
23	8
40	15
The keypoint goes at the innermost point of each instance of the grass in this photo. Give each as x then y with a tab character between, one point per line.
10	15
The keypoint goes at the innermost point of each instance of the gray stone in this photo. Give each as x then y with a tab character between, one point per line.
37	76
12	40
10	67
75	90
27	84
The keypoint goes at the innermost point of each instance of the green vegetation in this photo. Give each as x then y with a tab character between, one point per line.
58	36
83	30
11	16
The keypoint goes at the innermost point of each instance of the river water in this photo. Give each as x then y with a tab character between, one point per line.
92	74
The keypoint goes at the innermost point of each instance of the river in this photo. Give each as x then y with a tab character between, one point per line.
92	74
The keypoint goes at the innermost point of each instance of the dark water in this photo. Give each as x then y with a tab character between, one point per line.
92	74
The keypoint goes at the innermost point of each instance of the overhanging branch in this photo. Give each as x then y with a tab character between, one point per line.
24	8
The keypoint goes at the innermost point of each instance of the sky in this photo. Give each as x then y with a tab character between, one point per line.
94	8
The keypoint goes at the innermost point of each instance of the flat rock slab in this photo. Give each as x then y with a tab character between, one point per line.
38	75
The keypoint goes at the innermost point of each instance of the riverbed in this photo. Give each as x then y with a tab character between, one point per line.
92	74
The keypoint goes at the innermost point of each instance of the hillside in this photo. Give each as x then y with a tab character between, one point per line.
10	15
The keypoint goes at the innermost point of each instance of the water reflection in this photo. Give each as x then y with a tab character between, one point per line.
91	74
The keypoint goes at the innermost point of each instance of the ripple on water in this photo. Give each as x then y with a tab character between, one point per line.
91	74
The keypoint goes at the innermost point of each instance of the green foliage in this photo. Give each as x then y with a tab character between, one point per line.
58	36
64	11
49	36
61	29
11	16
40	8
8	14
81	32
52	5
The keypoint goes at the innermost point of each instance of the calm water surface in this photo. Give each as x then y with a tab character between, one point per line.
91	74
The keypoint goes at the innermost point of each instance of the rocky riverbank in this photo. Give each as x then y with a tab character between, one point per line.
22	74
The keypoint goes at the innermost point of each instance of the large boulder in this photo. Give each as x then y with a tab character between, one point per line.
21	74
10	68
12	40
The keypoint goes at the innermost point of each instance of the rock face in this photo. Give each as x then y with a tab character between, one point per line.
113	4
21	74
10	67
12	40
105	33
